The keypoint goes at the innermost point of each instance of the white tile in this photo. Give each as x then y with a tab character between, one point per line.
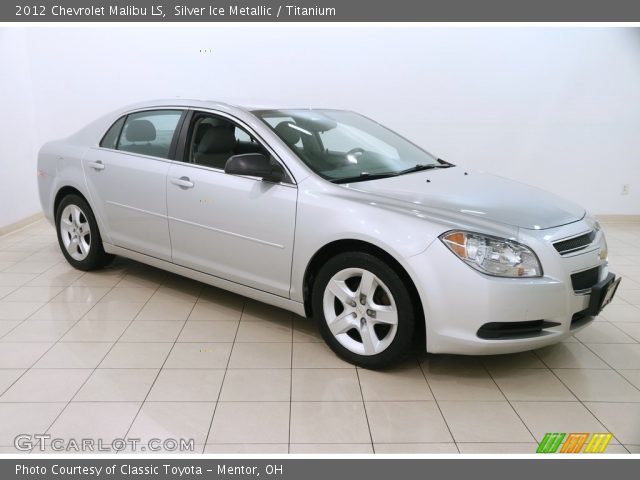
18	310
261	355
570	355
197	385
74	355
545	417
156	331
44	331
165	311
8	376
208	332
33	294
603	332
250	422
199	355
621	419
325	384
532	384
22	355
173	420
488	422
331	448
599	385
329	422
103	421
262	385
316	355
409	448
619	356
264	331
406	422
406	382
114	311
90	331
136	355
20	418
52	385
117	385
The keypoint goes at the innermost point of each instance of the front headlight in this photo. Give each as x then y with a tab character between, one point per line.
493	255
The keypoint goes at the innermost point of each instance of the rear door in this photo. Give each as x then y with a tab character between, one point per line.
126	176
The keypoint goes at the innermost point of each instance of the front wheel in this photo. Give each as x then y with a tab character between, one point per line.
78	234
364	310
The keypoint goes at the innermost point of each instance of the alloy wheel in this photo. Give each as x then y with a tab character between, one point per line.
360	311
75	232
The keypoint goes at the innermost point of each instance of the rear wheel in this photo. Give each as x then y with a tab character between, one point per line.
364	310
78	234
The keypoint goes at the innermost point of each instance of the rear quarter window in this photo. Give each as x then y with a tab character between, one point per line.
110	139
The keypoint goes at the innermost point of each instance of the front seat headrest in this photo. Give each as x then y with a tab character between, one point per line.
290	135
141	131
217	140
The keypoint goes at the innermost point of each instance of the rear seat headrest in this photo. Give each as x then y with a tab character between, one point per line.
140	131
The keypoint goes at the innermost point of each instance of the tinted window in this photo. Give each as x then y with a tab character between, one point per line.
110	139
213	140
149	133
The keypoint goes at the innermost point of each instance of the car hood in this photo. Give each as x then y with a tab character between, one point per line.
476	194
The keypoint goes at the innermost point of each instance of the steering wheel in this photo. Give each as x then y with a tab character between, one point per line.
355	151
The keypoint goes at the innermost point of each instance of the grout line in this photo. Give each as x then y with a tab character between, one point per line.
511	404
103	357
364	406
224	376
579	399
184	323
437	403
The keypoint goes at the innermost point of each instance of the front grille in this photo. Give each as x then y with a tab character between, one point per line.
514	330
575	244
586	279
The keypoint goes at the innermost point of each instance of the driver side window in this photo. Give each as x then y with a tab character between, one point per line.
213	140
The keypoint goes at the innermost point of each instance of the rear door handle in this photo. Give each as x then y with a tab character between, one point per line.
96	165
182	182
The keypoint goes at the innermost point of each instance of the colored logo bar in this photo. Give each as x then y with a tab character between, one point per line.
574	443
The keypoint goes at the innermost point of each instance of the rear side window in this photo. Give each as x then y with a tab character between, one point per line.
110	139
149	133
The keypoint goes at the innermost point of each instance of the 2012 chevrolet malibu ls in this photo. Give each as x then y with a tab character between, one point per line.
330	215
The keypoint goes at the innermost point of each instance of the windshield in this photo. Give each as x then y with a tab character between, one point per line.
344	146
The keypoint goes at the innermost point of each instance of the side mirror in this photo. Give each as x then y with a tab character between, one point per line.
254	165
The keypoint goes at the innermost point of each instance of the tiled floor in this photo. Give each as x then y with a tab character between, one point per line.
134	352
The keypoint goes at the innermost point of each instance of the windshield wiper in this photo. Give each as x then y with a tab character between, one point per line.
419	167
373	176
364	176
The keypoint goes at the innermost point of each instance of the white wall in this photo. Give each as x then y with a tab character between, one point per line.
18	135
557	108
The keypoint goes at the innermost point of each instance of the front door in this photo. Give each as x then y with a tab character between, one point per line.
237	228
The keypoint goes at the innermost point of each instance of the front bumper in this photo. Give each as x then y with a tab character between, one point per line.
459	301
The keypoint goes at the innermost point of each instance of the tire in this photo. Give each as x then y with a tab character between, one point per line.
78	235
375	334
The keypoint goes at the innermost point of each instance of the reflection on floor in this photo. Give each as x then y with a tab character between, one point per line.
134	352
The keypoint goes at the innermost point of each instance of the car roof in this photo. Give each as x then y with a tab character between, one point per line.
247	106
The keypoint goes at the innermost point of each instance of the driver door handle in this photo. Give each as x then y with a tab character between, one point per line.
96	165
182	182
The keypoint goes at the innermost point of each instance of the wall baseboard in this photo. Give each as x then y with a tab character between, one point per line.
618	218
20	224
